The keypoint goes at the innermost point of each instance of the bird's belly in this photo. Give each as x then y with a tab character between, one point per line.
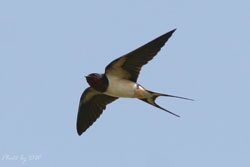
125	88
121	88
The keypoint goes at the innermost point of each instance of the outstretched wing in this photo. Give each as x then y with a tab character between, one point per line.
92	103
129	65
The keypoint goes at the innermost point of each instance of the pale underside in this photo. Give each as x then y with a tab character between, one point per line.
119	87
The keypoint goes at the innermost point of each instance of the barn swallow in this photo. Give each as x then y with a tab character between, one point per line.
119	80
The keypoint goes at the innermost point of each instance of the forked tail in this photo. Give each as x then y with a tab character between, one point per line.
151	100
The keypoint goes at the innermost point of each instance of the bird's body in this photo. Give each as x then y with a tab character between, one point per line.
119	80
119	87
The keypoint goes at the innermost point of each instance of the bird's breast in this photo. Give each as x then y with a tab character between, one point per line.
125	88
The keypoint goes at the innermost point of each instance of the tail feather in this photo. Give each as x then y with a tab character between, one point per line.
161	94
151	100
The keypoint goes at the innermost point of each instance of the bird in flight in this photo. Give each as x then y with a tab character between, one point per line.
119	80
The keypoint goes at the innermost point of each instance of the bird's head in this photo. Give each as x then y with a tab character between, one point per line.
97	81
93	78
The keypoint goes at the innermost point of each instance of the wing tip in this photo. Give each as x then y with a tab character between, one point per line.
172	31
164	38
80	127
79	131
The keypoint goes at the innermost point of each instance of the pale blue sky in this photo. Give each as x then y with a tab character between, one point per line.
47	47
